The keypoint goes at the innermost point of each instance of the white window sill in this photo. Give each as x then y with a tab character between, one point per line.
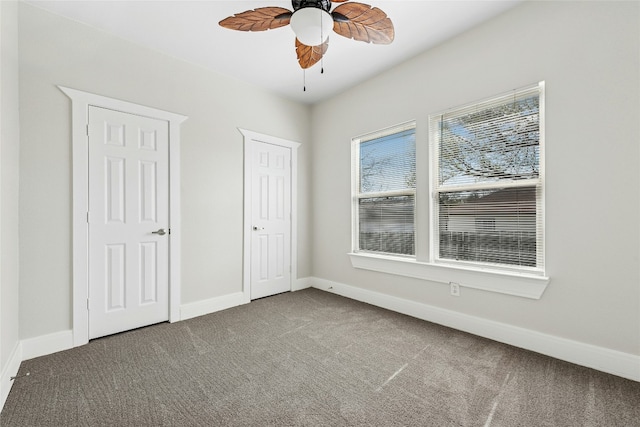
519	284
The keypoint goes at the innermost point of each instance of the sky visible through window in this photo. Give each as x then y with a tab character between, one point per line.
492	144
388	163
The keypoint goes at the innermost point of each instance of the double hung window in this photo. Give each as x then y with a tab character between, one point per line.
487	182
384	168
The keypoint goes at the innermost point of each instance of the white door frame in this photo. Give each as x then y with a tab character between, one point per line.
250	136
80	157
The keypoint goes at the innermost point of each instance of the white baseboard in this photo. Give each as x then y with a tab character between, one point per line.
603	359
300	284
200	308
46	344
28	349
8	371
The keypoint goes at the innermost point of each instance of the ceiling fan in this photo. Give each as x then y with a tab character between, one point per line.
313	20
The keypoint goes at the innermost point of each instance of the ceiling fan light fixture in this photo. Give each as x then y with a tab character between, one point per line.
312	21
311	25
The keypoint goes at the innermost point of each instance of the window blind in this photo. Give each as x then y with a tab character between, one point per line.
497	226
493	141
488	181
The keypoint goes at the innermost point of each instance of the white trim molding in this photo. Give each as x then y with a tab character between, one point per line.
80	103
47	344
248	137
201	308
10	370
510	283
302	283
602	359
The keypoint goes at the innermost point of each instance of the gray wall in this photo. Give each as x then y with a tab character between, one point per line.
9	155
56	51
588	54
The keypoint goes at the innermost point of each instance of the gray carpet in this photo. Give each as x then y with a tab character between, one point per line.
311	358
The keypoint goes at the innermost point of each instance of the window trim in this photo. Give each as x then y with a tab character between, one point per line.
500	281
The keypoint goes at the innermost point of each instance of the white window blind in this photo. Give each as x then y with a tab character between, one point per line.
488	181
384	183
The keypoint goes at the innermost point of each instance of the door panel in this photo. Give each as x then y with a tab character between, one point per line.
148	190
114	181
115	279
148	269
128	202
271	225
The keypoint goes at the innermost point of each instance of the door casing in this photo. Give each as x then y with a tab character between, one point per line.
250	136
80	102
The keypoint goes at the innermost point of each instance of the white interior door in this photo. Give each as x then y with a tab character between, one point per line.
271	219
128	221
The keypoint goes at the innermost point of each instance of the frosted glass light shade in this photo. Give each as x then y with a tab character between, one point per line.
311	25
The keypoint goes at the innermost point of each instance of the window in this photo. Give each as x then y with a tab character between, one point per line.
384	183
479	220
487	183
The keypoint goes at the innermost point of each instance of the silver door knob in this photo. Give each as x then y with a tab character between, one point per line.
256	228
160	232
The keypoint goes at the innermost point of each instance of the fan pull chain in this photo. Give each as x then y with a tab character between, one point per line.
304	80
321	46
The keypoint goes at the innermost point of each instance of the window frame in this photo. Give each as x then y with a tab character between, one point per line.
538	183
357	195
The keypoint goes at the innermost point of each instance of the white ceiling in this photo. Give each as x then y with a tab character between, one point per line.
189	30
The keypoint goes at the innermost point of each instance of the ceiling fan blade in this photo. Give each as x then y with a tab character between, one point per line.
260	19
309	55
361	22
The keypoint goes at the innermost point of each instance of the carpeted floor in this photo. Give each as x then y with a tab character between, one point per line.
311	358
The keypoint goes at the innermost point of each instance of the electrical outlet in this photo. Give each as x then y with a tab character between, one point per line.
455	289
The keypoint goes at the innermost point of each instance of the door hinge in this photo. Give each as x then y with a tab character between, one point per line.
87	129
87	217
87	303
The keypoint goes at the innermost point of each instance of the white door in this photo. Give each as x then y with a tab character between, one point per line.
128	221
271	219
